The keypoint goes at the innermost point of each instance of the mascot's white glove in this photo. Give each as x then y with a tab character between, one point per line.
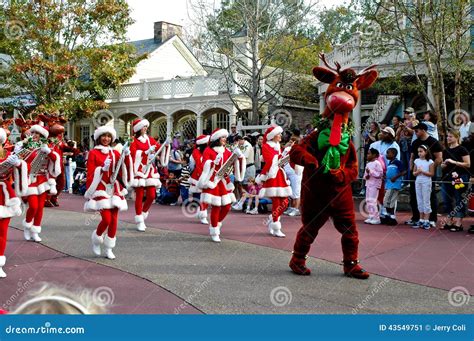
45	149
106	165
150	150
13	160
238	152
218	159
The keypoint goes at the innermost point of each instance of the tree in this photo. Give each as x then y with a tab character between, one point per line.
260	39
66	53
432	35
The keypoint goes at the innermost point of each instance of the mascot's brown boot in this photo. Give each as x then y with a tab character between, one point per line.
298	265
353	269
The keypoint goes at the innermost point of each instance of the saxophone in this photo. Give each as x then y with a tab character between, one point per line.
228	165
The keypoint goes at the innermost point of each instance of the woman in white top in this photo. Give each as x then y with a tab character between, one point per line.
424	171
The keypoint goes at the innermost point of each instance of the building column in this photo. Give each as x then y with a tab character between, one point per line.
116	123
199	122
356	120
322	103
169	126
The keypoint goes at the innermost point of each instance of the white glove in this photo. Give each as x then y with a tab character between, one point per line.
45	149
218	159
106	165
18	147
151	156
238	152
126	152
13	160
150	150
167	141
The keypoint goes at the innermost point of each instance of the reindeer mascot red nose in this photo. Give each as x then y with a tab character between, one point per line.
330	166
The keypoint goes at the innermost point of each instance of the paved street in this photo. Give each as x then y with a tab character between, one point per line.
174	268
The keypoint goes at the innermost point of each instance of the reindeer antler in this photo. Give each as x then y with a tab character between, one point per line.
323	58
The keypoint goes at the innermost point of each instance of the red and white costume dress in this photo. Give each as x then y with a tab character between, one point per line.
196	163
275	185
40	185
218	191
98	198
10	203
61	178
145	181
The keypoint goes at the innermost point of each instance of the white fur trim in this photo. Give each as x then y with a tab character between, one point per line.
3	260
282	192
193	188
40	189
36	229
204	140
95	182
216	200
52	186
139	218
277	130
206	174
275	225
97	239
219	149
202	214
150	182
273	171
145	214
110	242
12	208
54	167
240	165
3	136
20	175
214	231
275	145
105	129
165	155
40	130
26	225
137	162
103	149
143	123
106	204
218	134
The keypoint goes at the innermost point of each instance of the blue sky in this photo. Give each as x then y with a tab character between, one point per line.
146	12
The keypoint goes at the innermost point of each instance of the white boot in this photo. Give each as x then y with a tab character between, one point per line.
202	216
269	225
35	231
145	215
3	259
96	242
109	244
276	228
27	229
140	220
214	232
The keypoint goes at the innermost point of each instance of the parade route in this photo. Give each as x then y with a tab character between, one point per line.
174	268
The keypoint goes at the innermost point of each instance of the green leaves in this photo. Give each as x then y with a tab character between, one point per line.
59	49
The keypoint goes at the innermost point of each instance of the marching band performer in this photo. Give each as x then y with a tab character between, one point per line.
41	181
196	164
10	204
105	193
217	189
275	184
146	177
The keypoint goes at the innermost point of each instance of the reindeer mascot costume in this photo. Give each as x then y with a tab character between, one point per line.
10	204
144	150
330	166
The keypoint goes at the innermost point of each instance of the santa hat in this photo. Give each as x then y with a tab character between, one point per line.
139	123
218	133
104	130
271	132
44	131
203	139
3	136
